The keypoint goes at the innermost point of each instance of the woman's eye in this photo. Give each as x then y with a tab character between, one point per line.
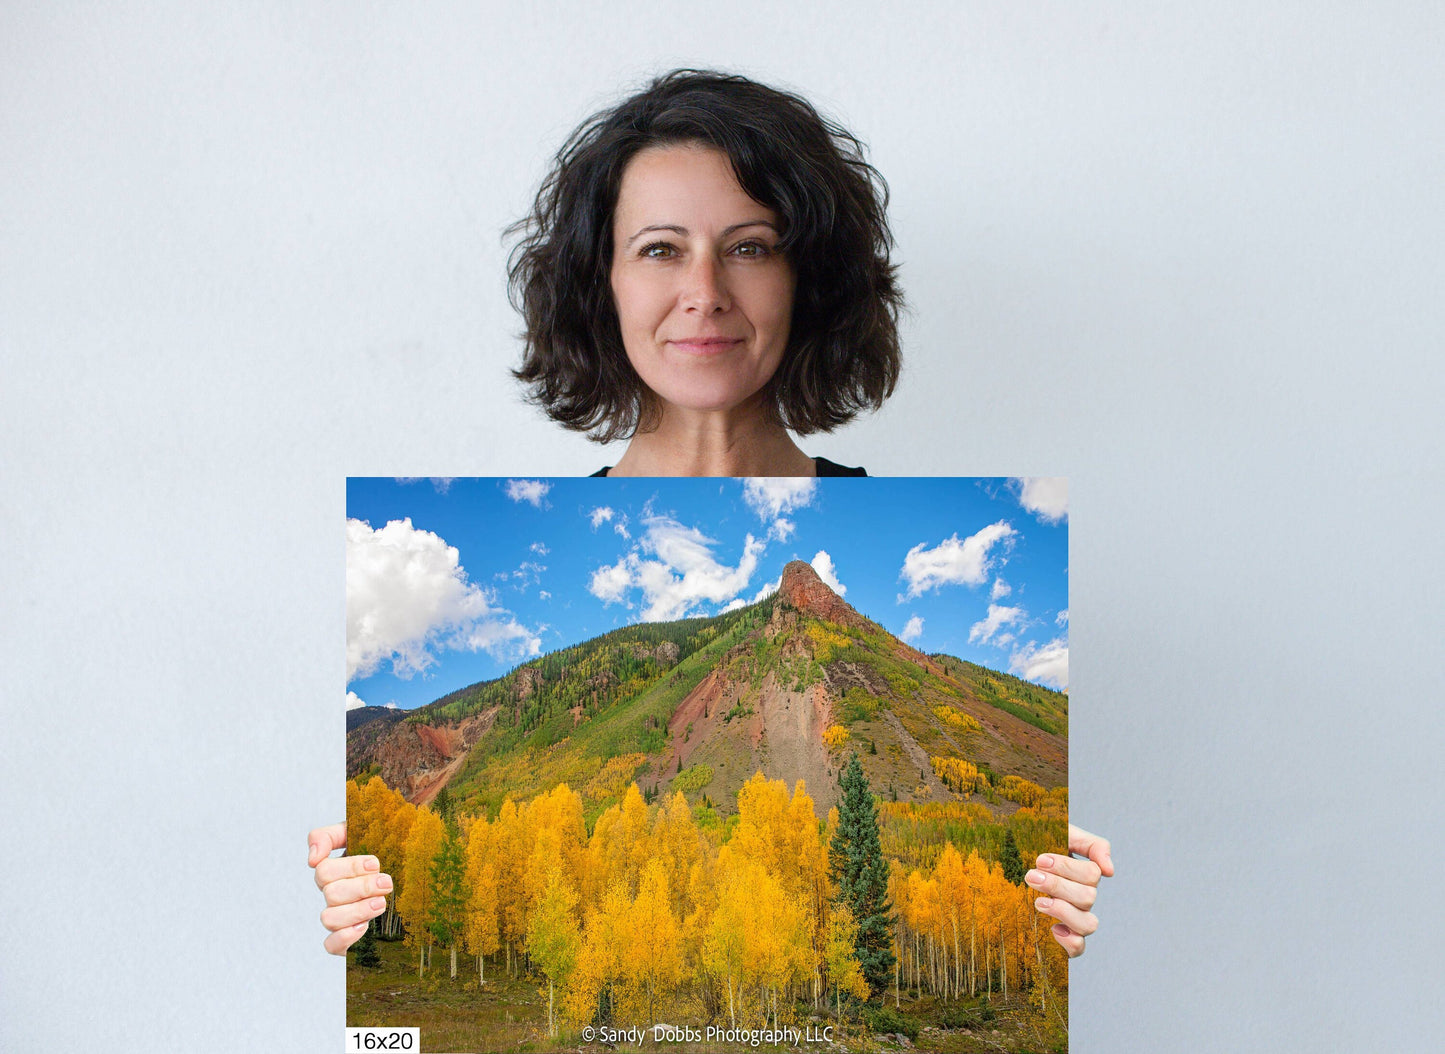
657	251
751	249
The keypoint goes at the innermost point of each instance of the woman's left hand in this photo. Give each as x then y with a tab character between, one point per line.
1071	886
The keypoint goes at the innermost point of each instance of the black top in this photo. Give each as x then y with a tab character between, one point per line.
821	465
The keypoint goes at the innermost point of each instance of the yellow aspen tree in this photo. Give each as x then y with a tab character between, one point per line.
414	903
653	961
761	806
953	896
897	896
679	847
976	874
358	825
559	813
509	845
635	833
599	963
814	886
481	934
840	957
606	856
782	945
553	937
724	947
702	896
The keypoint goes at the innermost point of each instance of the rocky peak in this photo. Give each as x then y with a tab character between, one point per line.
802	589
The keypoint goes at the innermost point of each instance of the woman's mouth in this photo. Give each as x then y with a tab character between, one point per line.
705	345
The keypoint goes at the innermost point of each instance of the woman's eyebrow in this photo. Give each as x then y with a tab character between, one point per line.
683	231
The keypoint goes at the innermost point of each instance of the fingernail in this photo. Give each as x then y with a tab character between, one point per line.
1108	860
383	883
311	855
1033	878
362	925
1043	903
371	863
1046	861
377	904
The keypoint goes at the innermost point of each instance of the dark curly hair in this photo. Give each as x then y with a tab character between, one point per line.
842	354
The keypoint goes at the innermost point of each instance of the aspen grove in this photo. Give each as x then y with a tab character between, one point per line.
664	910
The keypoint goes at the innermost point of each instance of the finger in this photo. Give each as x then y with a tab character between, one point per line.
1082	923
1076	893
1092	846
350	890
1070	941
344	915
323	841
338	867
1082	871
337	943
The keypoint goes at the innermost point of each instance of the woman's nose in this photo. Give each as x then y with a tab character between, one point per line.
705	286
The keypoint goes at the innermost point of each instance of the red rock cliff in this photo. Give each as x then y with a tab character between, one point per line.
803	589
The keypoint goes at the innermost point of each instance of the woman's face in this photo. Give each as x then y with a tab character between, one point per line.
702	293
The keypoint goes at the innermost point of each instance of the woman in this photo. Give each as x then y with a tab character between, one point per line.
705	270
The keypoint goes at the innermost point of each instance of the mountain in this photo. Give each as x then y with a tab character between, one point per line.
788	686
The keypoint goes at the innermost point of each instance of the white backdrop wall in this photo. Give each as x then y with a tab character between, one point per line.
1189	256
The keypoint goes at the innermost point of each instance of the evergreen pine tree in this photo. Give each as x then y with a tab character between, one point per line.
365	948
1013	865
856	858
449	875
445	807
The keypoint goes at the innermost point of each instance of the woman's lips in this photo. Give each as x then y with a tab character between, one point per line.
705	345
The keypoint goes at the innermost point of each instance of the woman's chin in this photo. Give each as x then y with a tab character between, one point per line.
711	402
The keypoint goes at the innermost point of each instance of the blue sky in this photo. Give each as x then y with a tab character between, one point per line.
453	581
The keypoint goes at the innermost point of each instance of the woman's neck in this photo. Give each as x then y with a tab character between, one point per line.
713	444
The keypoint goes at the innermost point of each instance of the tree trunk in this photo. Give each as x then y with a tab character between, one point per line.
454	961
1003	962
957	961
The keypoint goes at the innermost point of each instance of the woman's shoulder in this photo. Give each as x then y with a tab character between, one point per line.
821	465
825	467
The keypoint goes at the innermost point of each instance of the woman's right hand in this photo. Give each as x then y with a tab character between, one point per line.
354	887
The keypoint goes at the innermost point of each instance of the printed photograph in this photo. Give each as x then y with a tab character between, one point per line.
708	764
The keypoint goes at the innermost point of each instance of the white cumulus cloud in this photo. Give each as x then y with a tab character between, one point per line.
770	497
1048	665
733	605
681	575
782	529
533	491
1047	497
954	562
998	617
823	564
913	630
408	596
1000	589
354	701
540	548
600	515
